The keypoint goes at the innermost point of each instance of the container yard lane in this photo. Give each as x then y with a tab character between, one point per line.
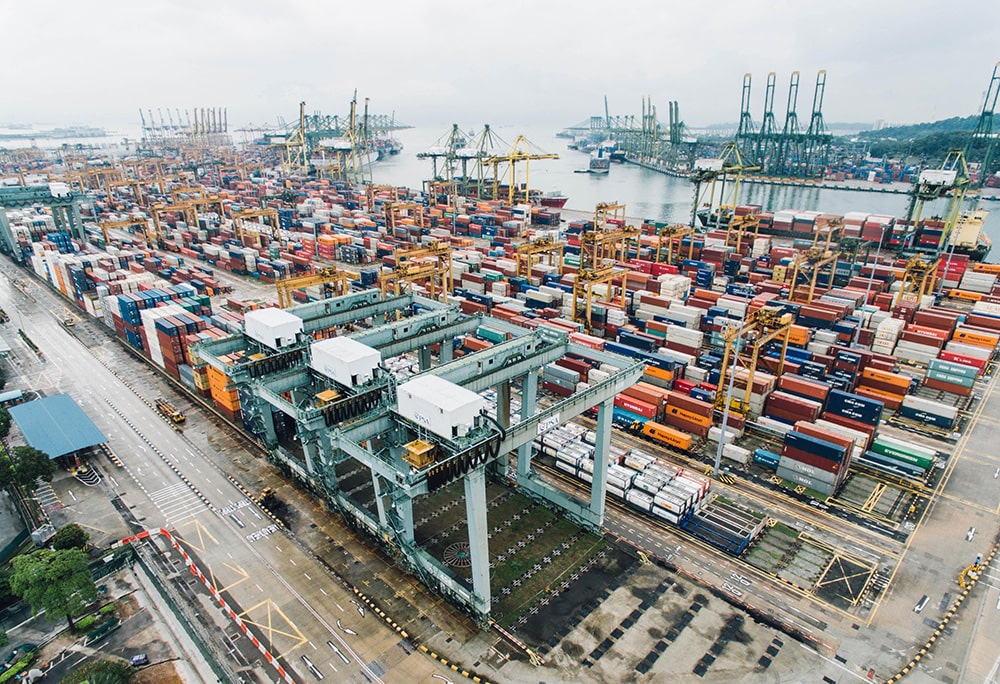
301	615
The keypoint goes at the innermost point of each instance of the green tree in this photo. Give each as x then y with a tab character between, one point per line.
58	582
30	464
70	536
4	422
101	672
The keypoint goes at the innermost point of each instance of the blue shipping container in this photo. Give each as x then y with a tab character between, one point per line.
816	446
868	411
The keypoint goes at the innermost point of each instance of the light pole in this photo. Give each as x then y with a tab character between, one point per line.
729	391
868	289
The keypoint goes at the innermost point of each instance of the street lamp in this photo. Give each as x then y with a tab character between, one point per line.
729	391
871	277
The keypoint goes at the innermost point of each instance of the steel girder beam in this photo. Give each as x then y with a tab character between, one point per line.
333	320
417	332
504	361
325	307
548	418
407	327
209	352
423	341
286	381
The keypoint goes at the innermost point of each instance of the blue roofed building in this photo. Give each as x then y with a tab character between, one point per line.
56	425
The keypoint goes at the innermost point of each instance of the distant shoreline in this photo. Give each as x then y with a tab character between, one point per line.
851	185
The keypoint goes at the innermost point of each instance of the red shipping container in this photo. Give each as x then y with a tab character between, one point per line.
556	389
735	420
684	386
643	394
985	322
826	435
813	460
933	320
853	424
947	387
791	402
964	360
797	385
695	406
580	367
642	408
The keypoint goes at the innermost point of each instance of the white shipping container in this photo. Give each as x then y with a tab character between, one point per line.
933	407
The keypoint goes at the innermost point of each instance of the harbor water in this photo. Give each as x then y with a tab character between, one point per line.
646	194
649	194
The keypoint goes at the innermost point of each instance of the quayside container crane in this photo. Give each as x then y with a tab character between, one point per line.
706	172
335	283
520	152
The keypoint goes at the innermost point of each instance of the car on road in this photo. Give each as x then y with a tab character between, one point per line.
139	659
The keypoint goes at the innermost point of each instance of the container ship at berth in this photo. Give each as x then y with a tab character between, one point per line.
968	237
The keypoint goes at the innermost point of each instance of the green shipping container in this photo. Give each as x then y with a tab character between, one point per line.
954	369
900	454
491	335
948	377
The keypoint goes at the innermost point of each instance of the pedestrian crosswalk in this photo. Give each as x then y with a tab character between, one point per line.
47	497
177	502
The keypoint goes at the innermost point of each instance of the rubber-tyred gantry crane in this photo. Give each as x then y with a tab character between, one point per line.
758	329
334	281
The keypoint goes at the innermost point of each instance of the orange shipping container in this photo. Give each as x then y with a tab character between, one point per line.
979	339
891	401
893	379
659	373
688	416
799	335
667	435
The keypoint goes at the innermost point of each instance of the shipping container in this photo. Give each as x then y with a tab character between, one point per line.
668	435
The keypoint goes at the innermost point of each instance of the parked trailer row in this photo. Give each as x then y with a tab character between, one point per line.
655	487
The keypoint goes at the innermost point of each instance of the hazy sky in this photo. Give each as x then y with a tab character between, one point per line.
515	62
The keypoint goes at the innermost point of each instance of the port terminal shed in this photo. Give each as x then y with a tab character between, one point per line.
56	425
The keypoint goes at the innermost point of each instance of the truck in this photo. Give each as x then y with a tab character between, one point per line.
170	412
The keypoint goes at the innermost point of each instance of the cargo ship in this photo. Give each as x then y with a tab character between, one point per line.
968	237
554	199
600	161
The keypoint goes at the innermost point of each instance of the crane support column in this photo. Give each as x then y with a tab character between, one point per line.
479	551
267	421
383	519
311	452
529	397
499	466
424	358
404	509
598	489
447	351
503	404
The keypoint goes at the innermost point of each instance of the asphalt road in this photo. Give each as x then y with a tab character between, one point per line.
297	609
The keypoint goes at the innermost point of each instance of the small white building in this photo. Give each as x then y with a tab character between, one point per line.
345	360
274	328
444	408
